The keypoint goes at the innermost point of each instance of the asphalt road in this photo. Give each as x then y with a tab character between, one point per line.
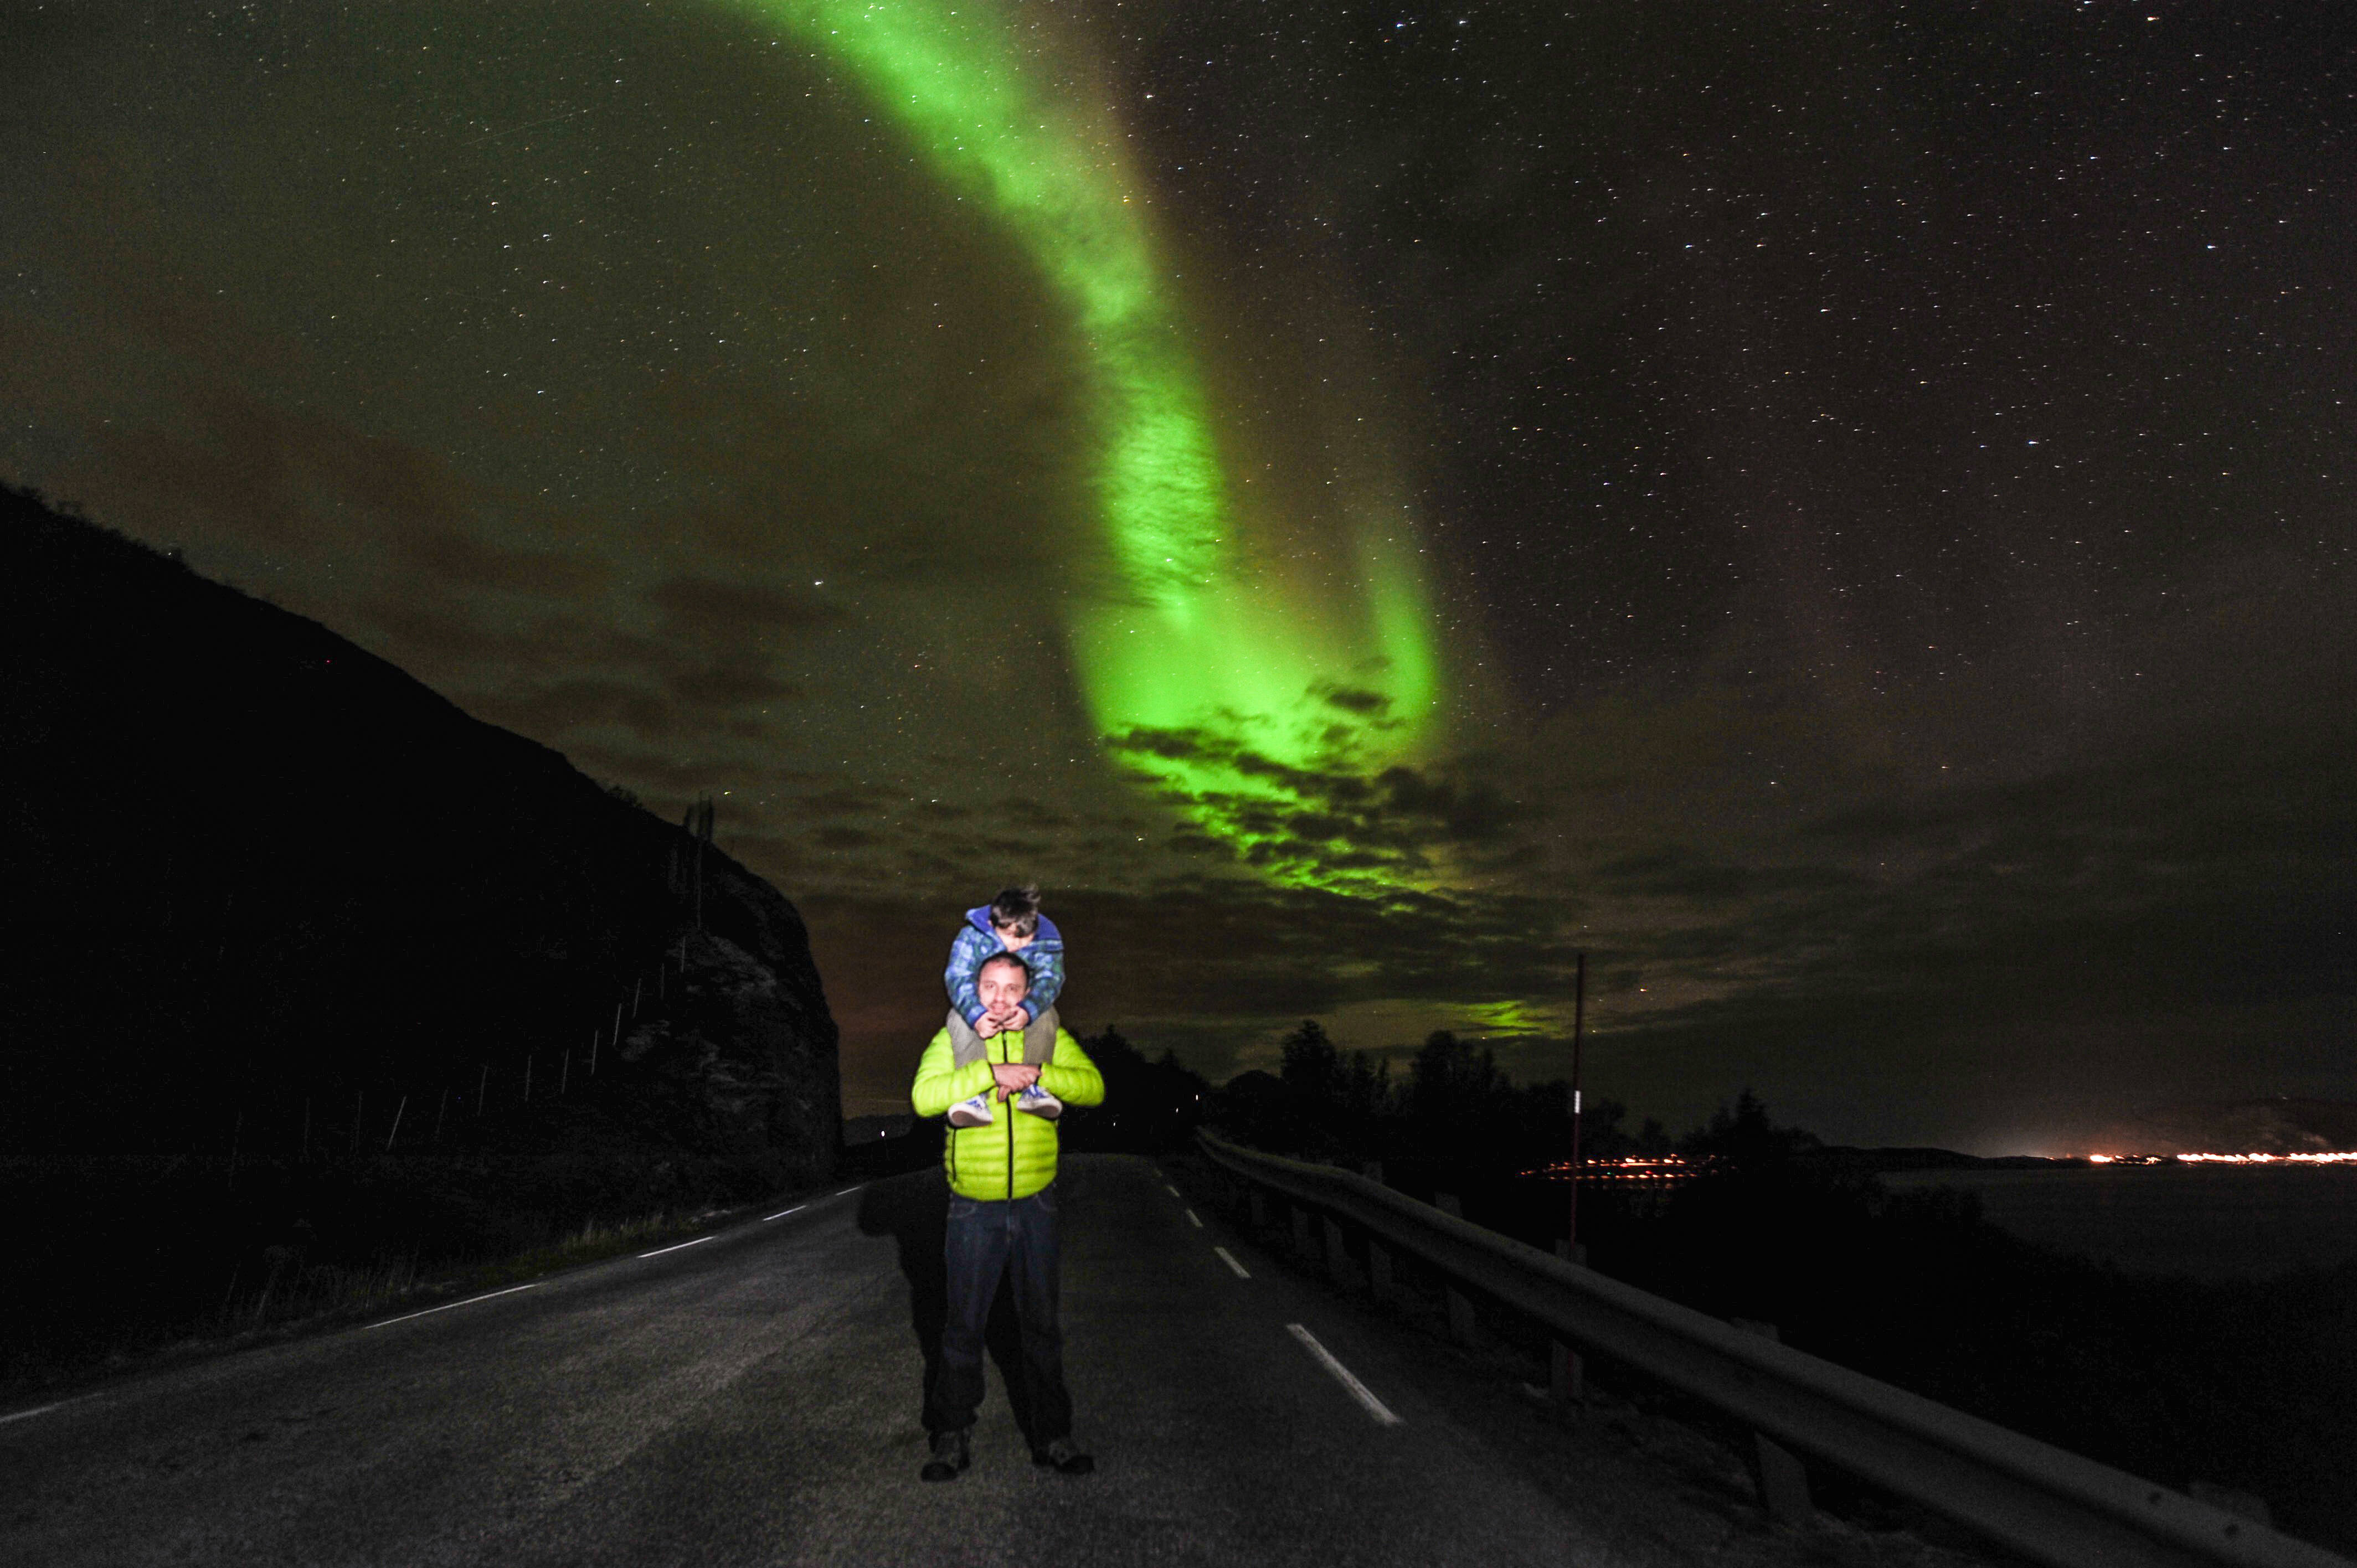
755	1398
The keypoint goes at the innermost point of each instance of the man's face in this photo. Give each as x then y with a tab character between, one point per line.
1002	987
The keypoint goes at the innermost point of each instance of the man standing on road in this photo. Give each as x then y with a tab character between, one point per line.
1001	1159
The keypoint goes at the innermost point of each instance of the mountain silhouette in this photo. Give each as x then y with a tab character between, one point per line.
268	893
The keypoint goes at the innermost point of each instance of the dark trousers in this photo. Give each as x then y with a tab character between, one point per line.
1017	1240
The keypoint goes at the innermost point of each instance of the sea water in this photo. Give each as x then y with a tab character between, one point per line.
2213	1223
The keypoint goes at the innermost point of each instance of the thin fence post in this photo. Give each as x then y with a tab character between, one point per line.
638	994
617	1024
593	1053
1784	1481
527	1077
1379	1257
1338	1251
564	1075
483	1090
397	1111
1460	1306
1566	1368
442	1115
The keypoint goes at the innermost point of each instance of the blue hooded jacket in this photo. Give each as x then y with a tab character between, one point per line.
1043	956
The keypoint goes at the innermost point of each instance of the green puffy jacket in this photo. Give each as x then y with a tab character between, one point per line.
1014	1156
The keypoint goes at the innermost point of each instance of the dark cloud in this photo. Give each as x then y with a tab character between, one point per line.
1354	700
1310	821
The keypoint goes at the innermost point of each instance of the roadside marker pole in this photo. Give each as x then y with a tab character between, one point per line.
1578	1016
1566	1368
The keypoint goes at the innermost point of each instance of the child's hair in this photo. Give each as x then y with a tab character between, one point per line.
1003	957
1017	910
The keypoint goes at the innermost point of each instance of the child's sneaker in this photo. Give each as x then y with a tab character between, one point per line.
975	1112
1039	1103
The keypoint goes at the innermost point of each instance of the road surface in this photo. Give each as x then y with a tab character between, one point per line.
755	1398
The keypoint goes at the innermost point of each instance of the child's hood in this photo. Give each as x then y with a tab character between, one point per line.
979	919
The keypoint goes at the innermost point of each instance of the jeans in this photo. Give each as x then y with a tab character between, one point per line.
986	1241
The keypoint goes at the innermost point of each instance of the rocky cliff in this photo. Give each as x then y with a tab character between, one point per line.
269	898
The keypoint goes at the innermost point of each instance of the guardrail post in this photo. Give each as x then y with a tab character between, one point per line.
1303	1247
1259	1211
1566	1368
1784	1483
1379	1257
1338	1252
1460	1306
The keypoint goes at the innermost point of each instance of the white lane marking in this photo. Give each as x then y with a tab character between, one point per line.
448	1305
847	1189
1197	1224
37	1409
1375	1406
1172	1190
1230	1259
781	1213
675	1246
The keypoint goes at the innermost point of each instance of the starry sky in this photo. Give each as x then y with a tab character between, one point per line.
1843	513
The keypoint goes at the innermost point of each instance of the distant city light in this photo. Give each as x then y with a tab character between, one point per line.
1631	1167
2337	1157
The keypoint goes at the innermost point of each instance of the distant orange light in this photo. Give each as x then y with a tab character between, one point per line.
2328	1157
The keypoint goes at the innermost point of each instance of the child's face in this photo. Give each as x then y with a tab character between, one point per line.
1008	940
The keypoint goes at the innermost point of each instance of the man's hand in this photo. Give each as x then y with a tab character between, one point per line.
1013	1078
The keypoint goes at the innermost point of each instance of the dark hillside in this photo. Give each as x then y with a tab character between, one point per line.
272	903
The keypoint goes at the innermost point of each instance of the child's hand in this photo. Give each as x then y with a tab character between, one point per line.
988	1027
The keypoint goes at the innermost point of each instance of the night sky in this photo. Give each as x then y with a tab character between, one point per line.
1843	512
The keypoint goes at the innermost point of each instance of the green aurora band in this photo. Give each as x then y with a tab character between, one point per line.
1244	705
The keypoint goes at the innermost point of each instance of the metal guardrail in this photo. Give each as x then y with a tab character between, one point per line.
2048	1504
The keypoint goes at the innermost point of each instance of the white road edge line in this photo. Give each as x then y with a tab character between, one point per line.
1375	1406
781	1213
675	1246
1230	1259
847	1189
1172	1190
1193	1220
37	1409
448	1305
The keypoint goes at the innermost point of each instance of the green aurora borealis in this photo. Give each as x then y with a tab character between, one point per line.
1223	685
1840	517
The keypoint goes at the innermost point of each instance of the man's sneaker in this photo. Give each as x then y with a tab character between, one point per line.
950	1458
1039	1103
1062	1458
975	1112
